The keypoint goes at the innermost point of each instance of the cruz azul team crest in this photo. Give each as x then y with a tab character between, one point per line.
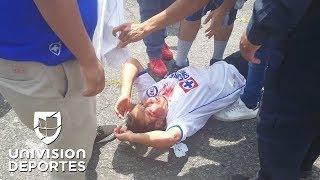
47	126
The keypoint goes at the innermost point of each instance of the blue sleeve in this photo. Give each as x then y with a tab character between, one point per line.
274	18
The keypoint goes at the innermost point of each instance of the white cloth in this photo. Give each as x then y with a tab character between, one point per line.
110	15
180	149
194	94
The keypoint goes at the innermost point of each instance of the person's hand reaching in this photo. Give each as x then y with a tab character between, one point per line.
93	75
216	19
122	134
123	105
248	50
129	33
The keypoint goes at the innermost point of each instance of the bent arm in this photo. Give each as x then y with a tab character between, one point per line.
130	70
64	19
158	139
274	18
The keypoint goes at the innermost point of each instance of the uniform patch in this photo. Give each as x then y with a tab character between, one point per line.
152	91
188	84
55	48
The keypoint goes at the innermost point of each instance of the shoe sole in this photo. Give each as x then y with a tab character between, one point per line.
109	138
233	120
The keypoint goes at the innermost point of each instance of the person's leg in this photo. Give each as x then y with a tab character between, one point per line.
283	142
221	38
255	80
31	87
245	106
154	41
188	32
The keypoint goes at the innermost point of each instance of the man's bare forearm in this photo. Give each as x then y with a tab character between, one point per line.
129	72
64	18
158	139
174	13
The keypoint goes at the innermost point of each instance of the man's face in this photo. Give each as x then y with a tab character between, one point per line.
151	112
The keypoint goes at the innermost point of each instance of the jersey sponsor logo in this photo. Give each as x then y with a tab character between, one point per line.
188	84
152	91
55	48
180	75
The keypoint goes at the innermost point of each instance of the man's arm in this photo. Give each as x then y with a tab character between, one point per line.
274	18
64	19
130	70
158	139
270	18
174	13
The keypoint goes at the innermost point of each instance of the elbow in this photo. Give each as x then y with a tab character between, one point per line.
168	142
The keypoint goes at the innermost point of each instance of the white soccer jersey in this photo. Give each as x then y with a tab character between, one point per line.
194	94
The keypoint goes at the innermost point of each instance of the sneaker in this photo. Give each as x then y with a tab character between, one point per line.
176	68
213	60
236	112
158	67
167	55
105	133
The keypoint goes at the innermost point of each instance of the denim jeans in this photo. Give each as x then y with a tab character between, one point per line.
255	80
154	41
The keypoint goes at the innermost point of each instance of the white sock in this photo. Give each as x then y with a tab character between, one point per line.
182	52
219	47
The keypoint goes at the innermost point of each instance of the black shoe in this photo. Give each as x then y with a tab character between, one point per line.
105	133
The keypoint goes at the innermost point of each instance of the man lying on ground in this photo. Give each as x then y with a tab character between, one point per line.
176	107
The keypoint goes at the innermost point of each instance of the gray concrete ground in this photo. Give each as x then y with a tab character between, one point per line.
219	151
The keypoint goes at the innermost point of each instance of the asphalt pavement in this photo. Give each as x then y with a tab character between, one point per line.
220	151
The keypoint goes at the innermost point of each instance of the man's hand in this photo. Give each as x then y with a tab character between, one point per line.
93	74
217	19
248	50
129	33
122	134
123	105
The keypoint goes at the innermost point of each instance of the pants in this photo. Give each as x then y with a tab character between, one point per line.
154	41
30	87
213	5
255	80
288	138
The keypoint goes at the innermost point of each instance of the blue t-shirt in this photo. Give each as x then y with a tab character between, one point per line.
25	35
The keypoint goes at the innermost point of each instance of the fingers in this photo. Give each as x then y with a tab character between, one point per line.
92	91
119	111
120	28
249	56
208	18
209	32
122	44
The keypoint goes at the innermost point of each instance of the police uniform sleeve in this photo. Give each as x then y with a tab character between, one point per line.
274	18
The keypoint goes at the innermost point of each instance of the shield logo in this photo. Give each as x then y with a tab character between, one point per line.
47	126
55	48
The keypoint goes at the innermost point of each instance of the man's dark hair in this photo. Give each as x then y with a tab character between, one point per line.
139	125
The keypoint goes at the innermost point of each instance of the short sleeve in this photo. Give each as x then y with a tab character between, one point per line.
143	82
188	126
